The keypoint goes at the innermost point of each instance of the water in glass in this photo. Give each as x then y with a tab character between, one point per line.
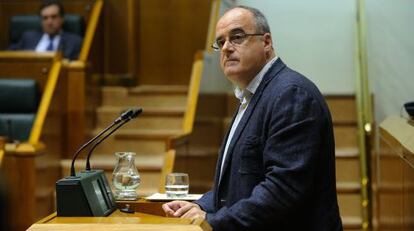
176	185
125	177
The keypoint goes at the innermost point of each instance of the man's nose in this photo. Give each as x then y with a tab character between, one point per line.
227	46
48	19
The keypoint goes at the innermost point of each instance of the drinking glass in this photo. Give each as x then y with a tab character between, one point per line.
176	185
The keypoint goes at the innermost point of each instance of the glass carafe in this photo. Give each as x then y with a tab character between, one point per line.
125	177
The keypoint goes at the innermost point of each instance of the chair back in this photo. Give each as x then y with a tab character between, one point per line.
21	23
19	99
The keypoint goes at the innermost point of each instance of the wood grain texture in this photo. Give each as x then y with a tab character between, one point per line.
120	221
394	174
170	32
114	227
59	125
167	168
20	173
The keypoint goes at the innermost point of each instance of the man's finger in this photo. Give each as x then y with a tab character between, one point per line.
167	209
190	213
183	209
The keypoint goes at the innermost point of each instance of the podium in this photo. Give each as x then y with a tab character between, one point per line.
147	216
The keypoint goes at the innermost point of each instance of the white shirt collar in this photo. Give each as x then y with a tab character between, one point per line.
45	40
244	95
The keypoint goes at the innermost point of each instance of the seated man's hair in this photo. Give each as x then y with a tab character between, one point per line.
48	3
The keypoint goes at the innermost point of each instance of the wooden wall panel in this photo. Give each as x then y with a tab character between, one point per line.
152	40
115	36
170	32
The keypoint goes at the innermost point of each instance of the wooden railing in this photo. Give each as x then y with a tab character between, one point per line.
168	167
214	15
192	96
91	30
46	100
2	144
181	140
21	160
33	167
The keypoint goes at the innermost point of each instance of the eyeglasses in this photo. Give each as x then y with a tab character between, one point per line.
236	39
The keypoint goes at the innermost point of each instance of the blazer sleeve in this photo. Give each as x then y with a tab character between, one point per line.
206	202
71	45
290	157
21	44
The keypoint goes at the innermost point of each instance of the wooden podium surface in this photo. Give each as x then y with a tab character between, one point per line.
142	219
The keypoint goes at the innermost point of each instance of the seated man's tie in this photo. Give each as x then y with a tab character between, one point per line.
50	46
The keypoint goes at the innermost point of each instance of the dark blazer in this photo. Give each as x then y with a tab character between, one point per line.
280	167
70	44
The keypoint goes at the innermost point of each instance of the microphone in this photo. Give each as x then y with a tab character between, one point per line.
129	114
124	118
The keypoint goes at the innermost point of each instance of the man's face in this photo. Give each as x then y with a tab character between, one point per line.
52	21
241	62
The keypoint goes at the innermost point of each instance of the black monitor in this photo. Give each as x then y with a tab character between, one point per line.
86	194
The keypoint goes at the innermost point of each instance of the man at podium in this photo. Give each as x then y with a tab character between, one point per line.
53	37
277	163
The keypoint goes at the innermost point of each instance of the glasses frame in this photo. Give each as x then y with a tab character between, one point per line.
216	47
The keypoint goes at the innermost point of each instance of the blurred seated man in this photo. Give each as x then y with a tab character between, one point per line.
53	37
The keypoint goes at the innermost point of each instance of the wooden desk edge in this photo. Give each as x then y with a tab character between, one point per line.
196	224
397	132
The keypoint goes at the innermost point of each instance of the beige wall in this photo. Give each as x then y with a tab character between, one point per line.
391	54
316	38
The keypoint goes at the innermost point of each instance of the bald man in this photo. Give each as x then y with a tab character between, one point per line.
276	169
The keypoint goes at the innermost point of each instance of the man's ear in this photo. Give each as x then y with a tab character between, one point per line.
267	38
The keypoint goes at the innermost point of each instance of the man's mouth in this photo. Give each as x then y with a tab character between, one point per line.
231	60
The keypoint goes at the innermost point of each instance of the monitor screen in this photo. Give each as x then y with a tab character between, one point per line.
99	194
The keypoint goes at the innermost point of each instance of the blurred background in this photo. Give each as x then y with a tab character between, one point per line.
156	54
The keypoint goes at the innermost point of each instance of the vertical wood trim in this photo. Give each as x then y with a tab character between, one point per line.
90	30
167	167
1	155
193	92
132	36
214	14
106	41
75	120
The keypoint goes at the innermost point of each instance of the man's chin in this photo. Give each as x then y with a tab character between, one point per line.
51	32
231	71
232	77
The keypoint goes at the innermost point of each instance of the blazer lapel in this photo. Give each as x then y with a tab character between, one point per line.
272	72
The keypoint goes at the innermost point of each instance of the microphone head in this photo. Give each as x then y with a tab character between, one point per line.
130	114
125	115
135	112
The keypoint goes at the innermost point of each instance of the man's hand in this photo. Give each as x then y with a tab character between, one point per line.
183	209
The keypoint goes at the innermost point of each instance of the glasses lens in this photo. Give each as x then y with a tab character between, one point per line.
237	39
215	47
